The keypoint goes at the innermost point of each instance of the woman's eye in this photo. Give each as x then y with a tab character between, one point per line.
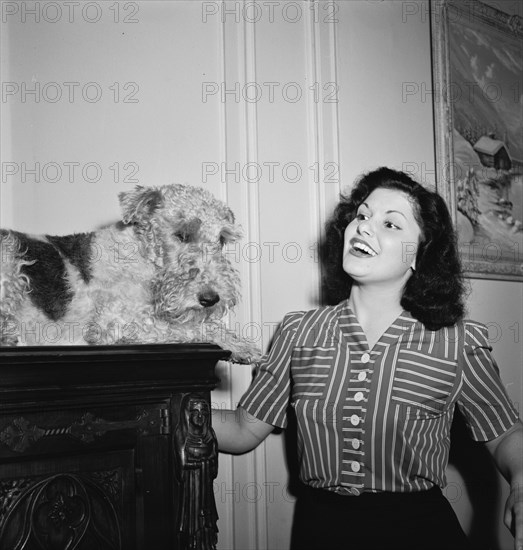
361	216
391	225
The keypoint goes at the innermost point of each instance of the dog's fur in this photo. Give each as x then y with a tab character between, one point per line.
157	276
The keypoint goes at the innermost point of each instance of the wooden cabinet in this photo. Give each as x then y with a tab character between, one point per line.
106	448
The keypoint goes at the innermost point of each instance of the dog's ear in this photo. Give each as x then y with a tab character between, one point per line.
230	215
138	205
230	234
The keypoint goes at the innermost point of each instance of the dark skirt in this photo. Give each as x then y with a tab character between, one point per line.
376	521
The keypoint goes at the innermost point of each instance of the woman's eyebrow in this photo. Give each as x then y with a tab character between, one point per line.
387	212
397	212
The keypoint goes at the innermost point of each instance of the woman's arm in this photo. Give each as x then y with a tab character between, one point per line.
507	451
238	431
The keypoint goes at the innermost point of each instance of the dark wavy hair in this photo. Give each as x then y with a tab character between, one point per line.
435	292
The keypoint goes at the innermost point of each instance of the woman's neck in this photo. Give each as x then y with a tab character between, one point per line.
375	309
366	299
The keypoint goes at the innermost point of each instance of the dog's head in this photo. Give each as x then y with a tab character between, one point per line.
184	230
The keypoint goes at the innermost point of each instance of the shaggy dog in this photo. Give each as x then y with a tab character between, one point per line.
158	276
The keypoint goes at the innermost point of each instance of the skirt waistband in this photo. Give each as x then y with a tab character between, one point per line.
373	498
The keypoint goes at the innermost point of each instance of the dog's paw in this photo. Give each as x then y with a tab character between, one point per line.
243	352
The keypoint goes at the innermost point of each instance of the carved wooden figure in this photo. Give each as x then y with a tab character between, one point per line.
196	451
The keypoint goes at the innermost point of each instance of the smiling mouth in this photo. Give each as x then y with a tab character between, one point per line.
359	248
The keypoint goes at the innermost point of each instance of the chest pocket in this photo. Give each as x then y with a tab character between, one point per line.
311	369
424	382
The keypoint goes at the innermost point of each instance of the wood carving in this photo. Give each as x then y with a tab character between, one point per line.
20	435
62	512
196	453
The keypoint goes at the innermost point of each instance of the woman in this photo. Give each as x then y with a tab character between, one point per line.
373	381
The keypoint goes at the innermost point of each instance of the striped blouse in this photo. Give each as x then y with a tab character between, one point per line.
377	420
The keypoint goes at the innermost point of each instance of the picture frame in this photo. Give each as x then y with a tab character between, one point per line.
478	116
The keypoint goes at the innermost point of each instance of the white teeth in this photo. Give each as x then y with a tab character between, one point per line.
365	248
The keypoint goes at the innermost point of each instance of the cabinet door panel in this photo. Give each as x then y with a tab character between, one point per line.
156	488
86	502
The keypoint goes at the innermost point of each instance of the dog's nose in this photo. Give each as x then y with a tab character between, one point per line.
208	298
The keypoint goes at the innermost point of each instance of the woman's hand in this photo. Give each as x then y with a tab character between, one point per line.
514	514
507	452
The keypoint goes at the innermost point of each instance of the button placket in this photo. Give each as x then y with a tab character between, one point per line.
356	402
360	390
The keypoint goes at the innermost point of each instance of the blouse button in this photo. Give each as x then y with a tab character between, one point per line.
355	491
355	443
355	466
361	376
365	358
358	396
354	419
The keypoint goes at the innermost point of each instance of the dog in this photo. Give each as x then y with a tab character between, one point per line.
159	275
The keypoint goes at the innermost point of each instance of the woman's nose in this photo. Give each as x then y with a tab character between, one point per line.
365	228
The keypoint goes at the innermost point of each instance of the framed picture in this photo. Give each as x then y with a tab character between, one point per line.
478	106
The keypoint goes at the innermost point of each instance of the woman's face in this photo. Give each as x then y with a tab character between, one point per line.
380	244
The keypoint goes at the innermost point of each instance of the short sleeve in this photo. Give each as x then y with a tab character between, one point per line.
268	396
483	402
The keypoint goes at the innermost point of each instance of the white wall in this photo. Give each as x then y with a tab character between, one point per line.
348	59
157	122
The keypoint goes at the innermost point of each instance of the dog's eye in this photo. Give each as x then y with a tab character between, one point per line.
182	236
